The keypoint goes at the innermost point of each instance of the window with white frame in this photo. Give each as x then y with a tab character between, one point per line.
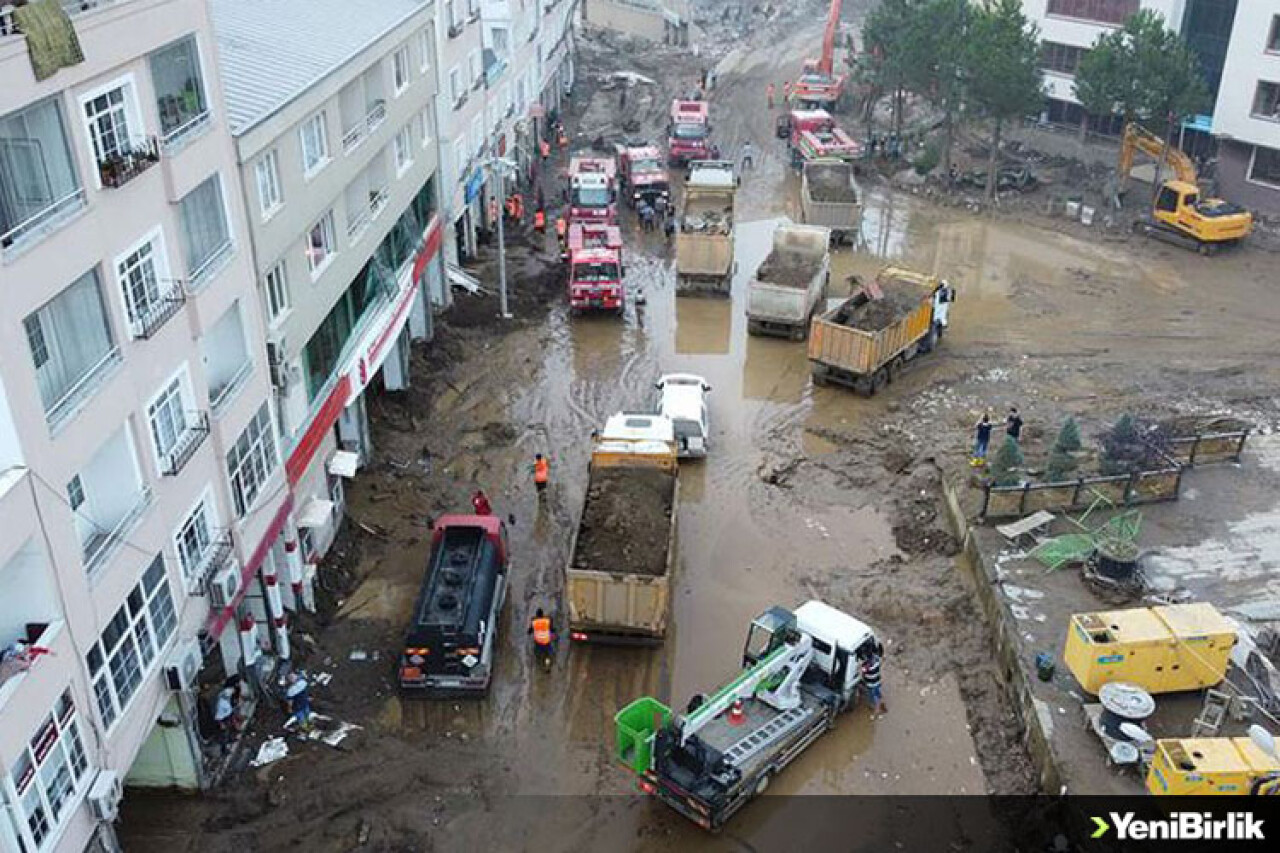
167	417
451	15
456	89
70	340
267	173
400	74
460	158
112	121
473	9
275	287
194	542
507	103
48	773
403	146
143	273
477	136
314	136
500	43
132	642
426	44
252	460
426	126
475	67
321	244
491	116
205	235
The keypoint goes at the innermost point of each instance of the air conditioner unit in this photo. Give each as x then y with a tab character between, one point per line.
105	795
184	665
278	362
224	585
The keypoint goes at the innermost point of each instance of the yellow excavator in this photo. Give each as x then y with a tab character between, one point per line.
1179	214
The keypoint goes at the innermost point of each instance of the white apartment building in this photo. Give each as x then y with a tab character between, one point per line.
332	107
141	482
1246	117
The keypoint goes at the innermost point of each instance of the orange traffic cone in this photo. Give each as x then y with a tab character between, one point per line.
736	715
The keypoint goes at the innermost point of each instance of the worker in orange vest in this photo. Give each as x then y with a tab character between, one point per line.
544	637
517	203
563	140
541	473
768	91
562	234
540	221
545	147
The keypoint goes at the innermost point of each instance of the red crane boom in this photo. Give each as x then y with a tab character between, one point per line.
827	63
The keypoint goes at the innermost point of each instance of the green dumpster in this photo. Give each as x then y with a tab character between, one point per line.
636	725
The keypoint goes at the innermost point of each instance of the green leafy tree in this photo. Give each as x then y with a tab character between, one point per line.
1103	78
1003	73
1068	440
1062	462
889	35
1006	468
938	32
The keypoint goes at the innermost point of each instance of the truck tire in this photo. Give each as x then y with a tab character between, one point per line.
820	376
879	379
930	340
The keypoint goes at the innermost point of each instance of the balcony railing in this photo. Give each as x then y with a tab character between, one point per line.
365	216
372	121
220	397
174	140
211	561
44	220
82	389
99	547
158	313
123	166
201	275
195	432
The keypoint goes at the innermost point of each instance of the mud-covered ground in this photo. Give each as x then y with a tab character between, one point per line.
808	492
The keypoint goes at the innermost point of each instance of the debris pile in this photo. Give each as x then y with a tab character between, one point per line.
871	315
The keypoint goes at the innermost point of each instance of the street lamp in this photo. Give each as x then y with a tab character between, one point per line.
501	166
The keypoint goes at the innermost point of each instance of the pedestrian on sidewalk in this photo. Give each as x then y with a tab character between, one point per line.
981	439
480	503
299	699
748	156
871	678
768	93
1013	425
541	473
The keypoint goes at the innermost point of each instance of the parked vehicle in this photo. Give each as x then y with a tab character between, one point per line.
643	175
704	239
788	287
866	339
688	132
815	135
800	670
829	197
819	85
620	558
593	190
682	397
451	642
596	279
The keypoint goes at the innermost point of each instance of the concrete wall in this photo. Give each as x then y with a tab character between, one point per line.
1248	62
636	19
1234	159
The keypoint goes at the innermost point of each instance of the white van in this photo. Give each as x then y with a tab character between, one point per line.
682	397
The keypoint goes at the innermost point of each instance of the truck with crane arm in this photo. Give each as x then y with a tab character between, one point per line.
819	87
800	670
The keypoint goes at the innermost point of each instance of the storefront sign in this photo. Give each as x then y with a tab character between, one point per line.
473	185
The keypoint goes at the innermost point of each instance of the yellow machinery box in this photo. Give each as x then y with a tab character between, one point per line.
1220	765
1161	649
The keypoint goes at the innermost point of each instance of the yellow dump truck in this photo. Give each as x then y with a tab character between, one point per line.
618	575
1161	649
704	238
1217	765
865	340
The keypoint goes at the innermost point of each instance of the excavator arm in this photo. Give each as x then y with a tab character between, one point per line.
1137	138
827	63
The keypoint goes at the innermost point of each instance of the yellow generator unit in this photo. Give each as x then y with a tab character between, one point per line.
1219	765
1161	649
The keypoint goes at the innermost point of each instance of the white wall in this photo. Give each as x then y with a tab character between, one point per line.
26	593
1248	61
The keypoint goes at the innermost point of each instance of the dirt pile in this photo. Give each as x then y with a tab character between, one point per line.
871	315
831	183
788	269
626	522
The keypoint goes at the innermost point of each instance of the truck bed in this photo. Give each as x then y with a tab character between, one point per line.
626	521
721	735
790	269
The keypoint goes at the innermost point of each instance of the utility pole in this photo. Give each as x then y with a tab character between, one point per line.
502	244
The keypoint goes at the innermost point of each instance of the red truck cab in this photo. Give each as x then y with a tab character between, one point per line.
815	135
595	275
451	641
644	176
689	132
593	190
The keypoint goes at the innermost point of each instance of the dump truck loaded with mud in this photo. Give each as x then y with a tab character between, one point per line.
865	340
618	574
829	197
800	670
704	243
788	286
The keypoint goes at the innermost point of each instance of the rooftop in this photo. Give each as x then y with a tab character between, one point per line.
271	51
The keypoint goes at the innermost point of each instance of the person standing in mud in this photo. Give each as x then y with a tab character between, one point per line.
768	94
871	679
748	156
541	474
1013	425
480	503
981	440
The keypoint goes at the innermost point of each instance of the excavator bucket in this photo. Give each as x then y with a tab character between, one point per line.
635	726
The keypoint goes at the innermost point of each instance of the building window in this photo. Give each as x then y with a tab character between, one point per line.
460	158
49	771
70	341
1102	11
477	136
109	117
193	542
179	86
1266	102
148	290
426	126
500	43
205	236
276	287
251	461
400	69
1265	168
315	144
37	174
403	144
267	173
1062	58
226	357
131	643
425	45
1273	40
451	15
167	417
475	68
456	89
75	493
473	9
320	244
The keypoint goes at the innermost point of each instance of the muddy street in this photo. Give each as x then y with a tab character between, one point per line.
807	493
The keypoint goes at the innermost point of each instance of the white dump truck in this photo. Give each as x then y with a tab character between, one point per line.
788	287
829	197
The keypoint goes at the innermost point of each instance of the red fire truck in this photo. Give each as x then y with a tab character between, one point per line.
593	196
689	132
595	268
643	175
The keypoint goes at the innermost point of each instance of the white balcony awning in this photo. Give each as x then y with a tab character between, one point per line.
316	513
343	464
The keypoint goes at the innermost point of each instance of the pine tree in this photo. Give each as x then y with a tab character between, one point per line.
1007	466
1068	440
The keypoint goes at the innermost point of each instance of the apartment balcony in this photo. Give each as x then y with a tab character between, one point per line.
43	640
173	141
196	430
211	561
158	313
364	217
123	166
363	129
494	65
102	543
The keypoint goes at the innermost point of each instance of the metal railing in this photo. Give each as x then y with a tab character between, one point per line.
158	313
81	389
128	163
369	212
364	128
195	432
29	227
102	544
172	141
215	556
200	276
218	399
